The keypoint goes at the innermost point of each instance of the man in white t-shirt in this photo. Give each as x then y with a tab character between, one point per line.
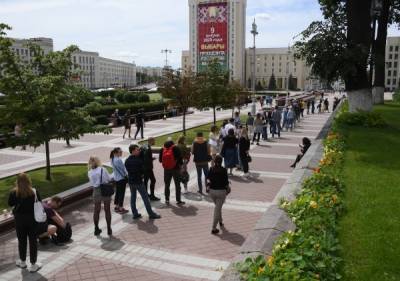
229	126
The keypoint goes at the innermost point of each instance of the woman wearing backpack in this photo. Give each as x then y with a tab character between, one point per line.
98	175
120	177
218	188
22	198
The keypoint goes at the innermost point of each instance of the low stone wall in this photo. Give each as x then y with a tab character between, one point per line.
274	221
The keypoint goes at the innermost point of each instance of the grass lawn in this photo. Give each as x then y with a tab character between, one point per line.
370	229
64	178
191	133
155	97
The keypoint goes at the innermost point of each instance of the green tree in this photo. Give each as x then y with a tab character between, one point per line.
236	95
259	87
213	84
292	83
272	83
180	89
41	97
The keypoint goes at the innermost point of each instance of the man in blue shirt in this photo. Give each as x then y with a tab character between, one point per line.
134	166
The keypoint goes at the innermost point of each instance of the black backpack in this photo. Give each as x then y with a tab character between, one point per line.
63	234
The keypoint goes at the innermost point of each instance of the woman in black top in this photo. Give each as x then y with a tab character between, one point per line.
244	147
218	187
306	145
229	150
22	199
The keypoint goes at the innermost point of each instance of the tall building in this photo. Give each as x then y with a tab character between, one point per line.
218	30
392	66
20	48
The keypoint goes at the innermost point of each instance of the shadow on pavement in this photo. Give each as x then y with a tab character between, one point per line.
147	226
232	237
111	243
184	211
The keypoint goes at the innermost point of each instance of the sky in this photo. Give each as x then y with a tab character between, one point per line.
137	30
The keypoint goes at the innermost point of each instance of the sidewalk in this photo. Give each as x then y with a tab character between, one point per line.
177	247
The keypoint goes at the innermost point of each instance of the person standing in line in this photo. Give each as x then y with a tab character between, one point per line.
285	114
185	153
308	107
98	175
326	105
201	156
171	159
258	128
249	124
148	166
222	132
139	121
22	199
313	106
319	107
301	108
213	141
135	167
237	122
244	148
229	151
127	123
290	119
230	125
218	188
120	177
276	117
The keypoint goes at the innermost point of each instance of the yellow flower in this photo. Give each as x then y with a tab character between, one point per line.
260	270
313	204
334	198
270	261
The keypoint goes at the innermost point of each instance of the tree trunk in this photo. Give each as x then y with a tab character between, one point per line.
215	116
358	49
48	174
184	122
68	143
379	54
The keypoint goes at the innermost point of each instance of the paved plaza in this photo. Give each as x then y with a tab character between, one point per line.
177	247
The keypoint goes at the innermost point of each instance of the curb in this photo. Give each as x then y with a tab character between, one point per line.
274	221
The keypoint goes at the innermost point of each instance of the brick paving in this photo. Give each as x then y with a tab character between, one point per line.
177	247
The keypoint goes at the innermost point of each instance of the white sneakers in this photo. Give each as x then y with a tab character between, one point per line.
20	264
33	268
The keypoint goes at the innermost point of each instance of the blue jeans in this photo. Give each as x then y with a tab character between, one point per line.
145	197
200	169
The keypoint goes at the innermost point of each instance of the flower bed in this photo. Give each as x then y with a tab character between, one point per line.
311	251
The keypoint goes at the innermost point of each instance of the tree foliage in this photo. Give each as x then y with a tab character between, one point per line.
41	97
272	83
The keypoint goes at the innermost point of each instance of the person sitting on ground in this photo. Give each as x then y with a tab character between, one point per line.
306	145
55	227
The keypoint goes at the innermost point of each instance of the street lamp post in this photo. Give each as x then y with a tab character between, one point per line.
254	32
376	9
288	76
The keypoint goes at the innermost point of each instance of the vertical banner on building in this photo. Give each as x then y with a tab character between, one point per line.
212	23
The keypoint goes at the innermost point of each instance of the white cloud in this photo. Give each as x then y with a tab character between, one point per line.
262	16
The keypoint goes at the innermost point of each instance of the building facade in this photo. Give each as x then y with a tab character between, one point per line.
217	30
94	71
392	66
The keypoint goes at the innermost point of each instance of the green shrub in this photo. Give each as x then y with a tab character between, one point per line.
130	98
396	97
361	118
102	120
143	98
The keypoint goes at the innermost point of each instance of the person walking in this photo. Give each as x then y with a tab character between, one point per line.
98	175
147	155
218	188
326	105
285	114
135	167
229	151
237	122
249	124
185	153
213	141
258	128
127	123
120	178
313	106
22	199
139	121
171	159
244	148
201	156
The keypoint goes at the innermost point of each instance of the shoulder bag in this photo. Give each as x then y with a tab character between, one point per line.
40	214
107	189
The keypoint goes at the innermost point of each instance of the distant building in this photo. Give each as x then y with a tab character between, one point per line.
392	67
95	71
217	29
150	71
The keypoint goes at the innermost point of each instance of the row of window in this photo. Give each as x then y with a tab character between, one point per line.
396	48
391	80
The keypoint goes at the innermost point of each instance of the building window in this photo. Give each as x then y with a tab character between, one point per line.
388	82
396	56
390	56
396	48
394	81
395	64
391	49
390	64
394	73
389	73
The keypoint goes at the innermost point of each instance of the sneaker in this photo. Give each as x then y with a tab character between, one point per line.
137	216
109	231
35	267
215	231
155	217
20	264
180	203
167	201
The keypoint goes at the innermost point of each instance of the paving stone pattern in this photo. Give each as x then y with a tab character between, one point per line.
177	247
